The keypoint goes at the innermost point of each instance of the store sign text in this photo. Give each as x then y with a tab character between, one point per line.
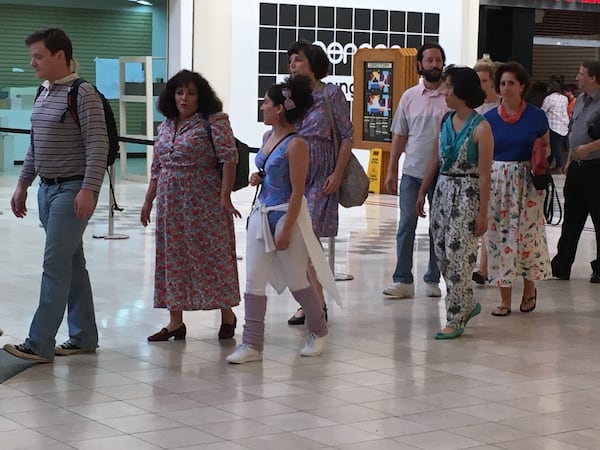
338	53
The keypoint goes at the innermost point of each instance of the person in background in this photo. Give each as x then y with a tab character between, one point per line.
555	107
569	91
325	171
485	69
196	266
415	128
280	237
516	236
583	174
70	160
459	210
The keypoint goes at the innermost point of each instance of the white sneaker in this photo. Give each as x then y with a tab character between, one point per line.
314	345
433	290
400	290
243	354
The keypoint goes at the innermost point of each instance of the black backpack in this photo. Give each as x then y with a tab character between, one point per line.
109	117
242	170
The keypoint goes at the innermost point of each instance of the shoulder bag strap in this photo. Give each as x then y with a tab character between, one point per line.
262	169
332	125
209	131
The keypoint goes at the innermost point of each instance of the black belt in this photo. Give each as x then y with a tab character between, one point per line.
461	175
59	180
588	162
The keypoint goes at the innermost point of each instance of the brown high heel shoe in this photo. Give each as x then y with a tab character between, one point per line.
227	330
164	334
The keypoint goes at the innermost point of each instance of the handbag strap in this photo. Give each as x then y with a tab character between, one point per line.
332	124
262	169
206	117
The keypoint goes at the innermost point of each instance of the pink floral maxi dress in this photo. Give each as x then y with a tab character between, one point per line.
196	265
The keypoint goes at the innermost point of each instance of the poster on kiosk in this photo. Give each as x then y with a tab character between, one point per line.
380	78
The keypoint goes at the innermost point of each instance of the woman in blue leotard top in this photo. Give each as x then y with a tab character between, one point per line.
280	239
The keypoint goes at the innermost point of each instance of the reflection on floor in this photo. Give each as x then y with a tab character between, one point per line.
526	381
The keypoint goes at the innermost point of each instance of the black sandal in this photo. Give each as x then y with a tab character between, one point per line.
478	277
529	302
501	311
295	320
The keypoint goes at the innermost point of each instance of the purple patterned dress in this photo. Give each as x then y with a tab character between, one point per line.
316	130
196	265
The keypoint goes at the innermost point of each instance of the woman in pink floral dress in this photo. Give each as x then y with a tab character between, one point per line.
325	170
196	267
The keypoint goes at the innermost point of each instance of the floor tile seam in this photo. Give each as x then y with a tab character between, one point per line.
82	419
170	427
314	427
119	433
217	438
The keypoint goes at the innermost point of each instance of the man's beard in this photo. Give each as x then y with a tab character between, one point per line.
433	75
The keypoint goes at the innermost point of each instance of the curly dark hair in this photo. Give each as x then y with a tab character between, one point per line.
466	85
316	56
208	101
55	39
517	70
300	92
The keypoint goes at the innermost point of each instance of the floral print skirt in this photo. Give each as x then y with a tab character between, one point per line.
516	236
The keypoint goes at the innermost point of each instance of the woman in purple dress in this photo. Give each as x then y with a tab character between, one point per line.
326	168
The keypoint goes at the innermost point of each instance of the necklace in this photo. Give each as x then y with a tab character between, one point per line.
515	118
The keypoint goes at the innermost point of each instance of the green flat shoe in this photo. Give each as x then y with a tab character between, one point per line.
474	312
453	334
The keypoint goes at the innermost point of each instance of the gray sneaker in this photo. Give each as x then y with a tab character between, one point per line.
400	290
433	290
243	354
68	349
23	352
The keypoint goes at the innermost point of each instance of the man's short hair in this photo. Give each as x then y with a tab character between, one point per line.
54	39
427	46
593	69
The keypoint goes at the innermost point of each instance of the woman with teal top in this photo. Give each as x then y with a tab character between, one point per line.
462	162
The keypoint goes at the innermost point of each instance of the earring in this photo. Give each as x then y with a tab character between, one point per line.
277	118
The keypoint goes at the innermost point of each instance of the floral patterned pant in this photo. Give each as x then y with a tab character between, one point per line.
453	213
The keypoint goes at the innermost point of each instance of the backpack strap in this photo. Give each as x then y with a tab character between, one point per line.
72	101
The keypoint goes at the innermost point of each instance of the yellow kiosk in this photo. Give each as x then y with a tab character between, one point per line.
380	78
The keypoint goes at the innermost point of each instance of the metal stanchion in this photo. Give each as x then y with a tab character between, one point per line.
111	211
331	257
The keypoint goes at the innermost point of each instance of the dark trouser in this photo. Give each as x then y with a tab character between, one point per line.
581	198
556	146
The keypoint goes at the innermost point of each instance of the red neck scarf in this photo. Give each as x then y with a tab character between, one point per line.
514	119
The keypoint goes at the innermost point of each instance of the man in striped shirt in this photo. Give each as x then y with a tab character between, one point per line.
70	160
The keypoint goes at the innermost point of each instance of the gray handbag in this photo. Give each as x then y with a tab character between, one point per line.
354	188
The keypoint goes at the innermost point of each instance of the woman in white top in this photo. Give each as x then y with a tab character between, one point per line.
485	69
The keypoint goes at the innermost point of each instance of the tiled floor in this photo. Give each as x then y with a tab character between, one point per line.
524	382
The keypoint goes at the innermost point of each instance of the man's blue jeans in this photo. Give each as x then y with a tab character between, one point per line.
405	238
65	280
